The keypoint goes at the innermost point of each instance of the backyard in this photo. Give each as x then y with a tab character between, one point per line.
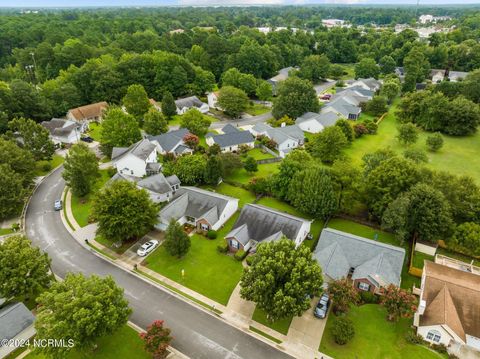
81	206
371	233
242	194
264	170
207	272
375	337
459	155
124	343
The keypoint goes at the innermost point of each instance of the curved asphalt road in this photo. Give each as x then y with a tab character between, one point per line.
196	333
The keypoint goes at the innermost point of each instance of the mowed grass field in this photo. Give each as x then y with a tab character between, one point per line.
459	155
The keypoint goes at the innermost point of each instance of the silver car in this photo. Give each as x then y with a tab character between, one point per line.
57	205
147	247
321	309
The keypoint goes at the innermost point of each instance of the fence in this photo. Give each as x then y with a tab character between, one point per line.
269	160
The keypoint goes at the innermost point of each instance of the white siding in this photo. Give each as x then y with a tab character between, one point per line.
228	211
131	165
445	336
236	147
287	145
302	233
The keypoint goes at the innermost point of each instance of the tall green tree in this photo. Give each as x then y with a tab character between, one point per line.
366	68
25	269
390	89
244	82
314	191
387	64
213	170
264	91
80	309
12	192
376	106
233	101
250	164
407	134
80	169
279	278
136	101
295	97
154	122
328	144
169	109
177	242
118	130
189	169
35	138
315	68
422	212
347	129
123	211
466	238
19	159
195	122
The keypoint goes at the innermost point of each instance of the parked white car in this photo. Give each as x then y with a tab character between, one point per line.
147	247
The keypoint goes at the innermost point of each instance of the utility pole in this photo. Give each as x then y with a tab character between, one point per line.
34	67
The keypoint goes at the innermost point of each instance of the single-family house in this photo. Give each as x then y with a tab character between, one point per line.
212	99
156	105
231	139
453	76
138	160
64	131
160	188
205	210
88	113
362	94
259	224
185	104
16	324
369	264
171	142
282	75
287	138
313	122
368	84
449	307
345	104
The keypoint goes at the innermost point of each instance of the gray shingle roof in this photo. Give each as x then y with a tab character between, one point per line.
156	183
168	141
337	252
189	102
60	126
229	128
142	149
233	138
14	319
326	119
263	223
196	203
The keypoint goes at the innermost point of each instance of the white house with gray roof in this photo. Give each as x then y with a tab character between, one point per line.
259	224
171	142
205	210
138	160
370	264
16	323
159	188
231	139
64	131
313	122
287	138
187	103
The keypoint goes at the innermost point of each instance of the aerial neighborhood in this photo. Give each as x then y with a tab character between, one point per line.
240	182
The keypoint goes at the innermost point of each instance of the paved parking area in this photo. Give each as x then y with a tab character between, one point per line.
131	253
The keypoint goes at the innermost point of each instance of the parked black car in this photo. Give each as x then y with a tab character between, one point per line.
87	139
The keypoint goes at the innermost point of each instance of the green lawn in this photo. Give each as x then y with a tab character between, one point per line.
124	343
81	206
375	337
243	195
384	237
459	155
4	231
44	167
280	326
419	258
94	131
259	154
257	109
264	170
207	272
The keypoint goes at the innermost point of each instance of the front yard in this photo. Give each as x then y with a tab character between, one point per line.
375	337
280	326
207	272
82	206
124	343
257	109
42	168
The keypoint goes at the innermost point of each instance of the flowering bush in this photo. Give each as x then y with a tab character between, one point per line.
157	339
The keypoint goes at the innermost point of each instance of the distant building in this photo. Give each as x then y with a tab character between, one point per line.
88	113
313	122
333	23
64	131
231	139
425	19
187	103
287	138
171	142
282	75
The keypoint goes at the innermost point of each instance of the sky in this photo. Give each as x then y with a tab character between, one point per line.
79	3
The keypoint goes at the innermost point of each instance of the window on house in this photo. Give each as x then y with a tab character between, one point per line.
205	227
434	336
363	286
234	244
190	219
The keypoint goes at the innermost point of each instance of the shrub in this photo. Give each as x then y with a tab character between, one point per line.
249	259
416	155
47	166
439	348
434	142
211	234
413	338
240	255
111	171
343	330
360	130
368	297
371	126
15	227
222	248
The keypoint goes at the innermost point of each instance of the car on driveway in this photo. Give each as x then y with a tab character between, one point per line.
87	139
58	205
325	97
321	309
147	247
